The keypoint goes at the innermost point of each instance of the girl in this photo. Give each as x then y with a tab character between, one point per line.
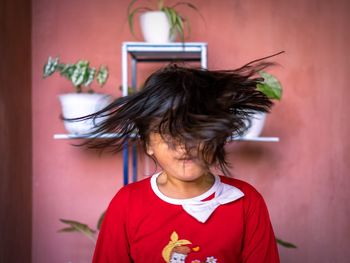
186	213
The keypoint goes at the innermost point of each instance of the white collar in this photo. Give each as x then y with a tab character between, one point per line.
175	201
201	210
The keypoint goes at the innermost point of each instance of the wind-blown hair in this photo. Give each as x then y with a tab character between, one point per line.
198	108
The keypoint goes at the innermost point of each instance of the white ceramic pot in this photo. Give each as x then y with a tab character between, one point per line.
155	27
256	125
76	105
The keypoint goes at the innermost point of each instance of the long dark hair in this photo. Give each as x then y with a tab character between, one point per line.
197	107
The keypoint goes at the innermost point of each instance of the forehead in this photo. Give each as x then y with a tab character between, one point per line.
178	255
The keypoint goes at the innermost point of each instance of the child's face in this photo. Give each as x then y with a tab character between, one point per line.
177	258
173	159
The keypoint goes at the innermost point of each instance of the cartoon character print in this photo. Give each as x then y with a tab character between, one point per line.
177	250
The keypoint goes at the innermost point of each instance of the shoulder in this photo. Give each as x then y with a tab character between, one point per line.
141	185
131	191
252	199
245	187
134	188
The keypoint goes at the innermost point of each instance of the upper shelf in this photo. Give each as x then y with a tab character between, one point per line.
112	135
148	52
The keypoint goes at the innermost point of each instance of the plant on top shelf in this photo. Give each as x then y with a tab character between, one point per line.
162	22
80	74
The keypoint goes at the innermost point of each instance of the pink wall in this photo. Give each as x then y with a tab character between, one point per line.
303	177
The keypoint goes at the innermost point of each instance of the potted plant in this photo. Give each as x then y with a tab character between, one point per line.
75	226
84	100
272	88
160	24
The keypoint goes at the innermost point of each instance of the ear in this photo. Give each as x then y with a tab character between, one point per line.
149	150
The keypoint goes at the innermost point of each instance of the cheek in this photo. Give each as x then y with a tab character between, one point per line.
164	158
168	160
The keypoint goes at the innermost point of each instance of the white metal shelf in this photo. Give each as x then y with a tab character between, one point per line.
148	52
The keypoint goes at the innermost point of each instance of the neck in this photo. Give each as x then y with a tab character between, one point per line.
180	189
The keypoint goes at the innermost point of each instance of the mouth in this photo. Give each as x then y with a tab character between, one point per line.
186	160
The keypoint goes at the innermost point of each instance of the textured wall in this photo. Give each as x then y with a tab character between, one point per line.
15	131
303	177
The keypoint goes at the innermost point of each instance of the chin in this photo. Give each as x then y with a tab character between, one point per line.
191	173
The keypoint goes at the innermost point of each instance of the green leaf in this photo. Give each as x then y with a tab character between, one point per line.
50	67
67	70
285	243
78	227
175	21
67	229
169	14
99	223
80	73
91	74
130	5
131	18
271	87
173	16
180	28
102	75
160	4
190	6
131	21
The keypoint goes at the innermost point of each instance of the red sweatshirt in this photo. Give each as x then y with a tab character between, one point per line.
142	227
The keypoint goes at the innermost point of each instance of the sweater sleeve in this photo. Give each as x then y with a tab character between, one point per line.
259	244
112	244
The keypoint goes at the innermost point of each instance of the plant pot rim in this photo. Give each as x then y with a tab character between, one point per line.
152	11
83	94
